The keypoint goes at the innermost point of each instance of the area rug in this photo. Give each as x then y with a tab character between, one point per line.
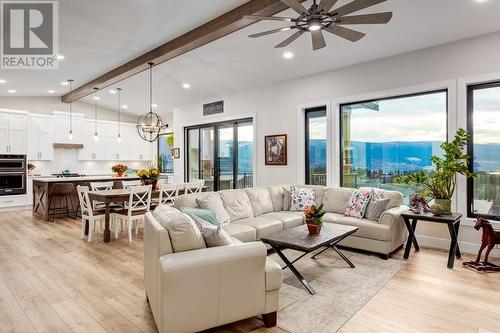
340	290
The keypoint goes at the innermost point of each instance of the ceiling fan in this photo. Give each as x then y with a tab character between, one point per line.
321	17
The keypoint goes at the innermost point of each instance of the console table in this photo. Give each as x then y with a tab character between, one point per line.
453	222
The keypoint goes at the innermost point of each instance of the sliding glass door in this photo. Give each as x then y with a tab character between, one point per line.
221	154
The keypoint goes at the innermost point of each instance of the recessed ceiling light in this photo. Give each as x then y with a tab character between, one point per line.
65	83
2	81
11	91
186	86
288	55
60	57
125	107
97	98
112	91
154	105
51	91
482	0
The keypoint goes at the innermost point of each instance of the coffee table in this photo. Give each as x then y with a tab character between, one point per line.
298	239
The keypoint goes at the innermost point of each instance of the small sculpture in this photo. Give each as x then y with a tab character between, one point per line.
437	209
418	204
489	239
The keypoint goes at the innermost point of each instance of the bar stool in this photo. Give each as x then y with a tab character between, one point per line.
61	193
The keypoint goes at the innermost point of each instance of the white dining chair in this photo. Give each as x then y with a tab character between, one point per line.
100	186
194	187
128	183
89	214
168	194
139	204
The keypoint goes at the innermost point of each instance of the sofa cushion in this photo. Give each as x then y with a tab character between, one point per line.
367	229
335	199
237	204
274	275
242	232
395	196
212	235
376	207
277	193
319	192
183	232
214	203
264	226
189	200
301	198
358	203
287	198
289	219
205	214
260	200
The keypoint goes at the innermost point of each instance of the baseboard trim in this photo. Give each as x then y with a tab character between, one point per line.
444	244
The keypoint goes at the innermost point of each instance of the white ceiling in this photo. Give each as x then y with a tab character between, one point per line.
95	41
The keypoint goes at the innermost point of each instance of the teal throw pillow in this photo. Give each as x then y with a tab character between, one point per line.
205	214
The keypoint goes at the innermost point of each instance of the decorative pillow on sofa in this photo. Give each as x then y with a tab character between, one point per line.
213	236
213	202
377	205
183	232
356	206
205	214
287	198
301	198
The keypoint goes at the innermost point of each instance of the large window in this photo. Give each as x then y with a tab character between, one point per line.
316	137
484	124
386	138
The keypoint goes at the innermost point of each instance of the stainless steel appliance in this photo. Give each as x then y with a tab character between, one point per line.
12	174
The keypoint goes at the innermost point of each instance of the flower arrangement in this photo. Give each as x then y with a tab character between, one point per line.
148	174
314	218
119	169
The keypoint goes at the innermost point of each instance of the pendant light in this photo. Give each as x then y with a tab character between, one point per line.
150	125
70	134
96	135
119	106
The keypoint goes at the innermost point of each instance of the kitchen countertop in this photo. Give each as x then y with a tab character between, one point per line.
52	179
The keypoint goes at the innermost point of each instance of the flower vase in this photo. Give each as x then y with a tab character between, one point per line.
151	182
314	228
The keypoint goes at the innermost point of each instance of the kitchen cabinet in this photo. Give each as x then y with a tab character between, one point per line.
62	126
93	150
13	133
40	138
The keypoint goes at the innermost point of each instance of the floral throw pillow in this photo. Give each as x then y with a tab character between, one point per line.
358	203
301	198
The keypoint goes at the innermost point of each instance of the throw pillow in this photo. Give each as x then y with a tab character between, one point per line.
287	198
301	199
376	207
183	232
213	236
214	203
358	203
205	214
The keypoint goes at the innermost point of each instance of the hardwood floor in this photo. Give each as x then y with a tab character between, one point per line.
51	281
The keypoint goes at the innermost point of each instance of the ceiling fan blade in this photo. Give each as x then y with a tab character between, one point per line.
355	6
346	33
295	5
260	34
379	18
290	39
268	18
318	40
327	5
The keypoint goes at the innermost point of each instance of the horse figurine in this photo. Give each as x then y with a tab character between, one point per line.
489	239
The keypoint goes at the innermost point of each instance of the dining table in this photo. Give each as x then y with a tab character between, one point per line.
109	197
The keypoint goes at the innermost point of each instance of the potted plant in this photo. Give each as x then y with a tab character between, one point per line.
314	218
441	182
119	169
149	175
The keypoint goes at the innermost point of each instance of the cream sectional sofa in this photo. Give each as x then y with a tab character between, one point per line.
258	212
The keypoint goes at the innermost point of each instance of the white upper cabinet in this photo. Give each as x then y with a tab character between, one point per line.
62	126
13	134
40	138
93	149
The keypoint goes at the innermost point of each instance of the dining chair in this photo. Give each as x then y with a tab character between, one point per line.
168	194
89	214
139	204
100	186
128	183
194	187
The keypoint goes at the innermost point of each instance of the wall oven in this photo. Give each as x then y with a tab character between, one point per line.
12	174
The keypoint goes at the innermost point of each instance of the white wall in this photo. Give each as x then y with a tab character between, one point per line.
275	107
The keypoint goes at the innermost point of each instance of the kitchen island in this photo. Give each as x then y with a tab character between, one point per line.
42	187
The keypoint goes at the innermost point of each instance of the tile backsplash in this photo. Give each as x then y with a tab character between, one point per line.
69	159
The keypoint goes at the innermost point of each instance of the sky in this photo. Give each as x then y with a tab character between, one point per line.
487	116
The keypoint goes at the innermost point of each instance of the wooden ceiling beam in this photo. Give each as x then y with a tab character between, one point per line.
217	28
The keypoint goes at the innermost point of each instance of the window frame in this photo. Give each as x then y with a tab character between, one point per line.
470	147
308	111
416	94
